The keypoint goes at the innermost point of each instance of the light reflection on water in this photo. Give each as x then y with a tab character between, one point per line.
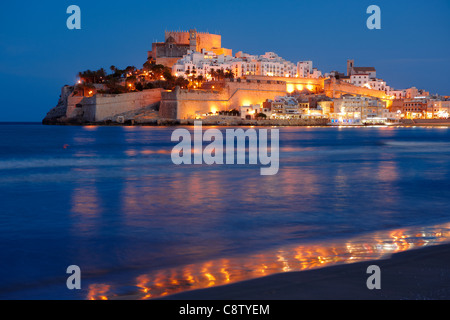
303	186
223	271
112	202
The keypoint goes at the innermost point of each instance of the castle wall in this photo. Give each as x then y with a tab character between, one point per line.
72	111
169	104
208	41
169	50
224	51
204	40
103	106
294	84
248	92
296	80
181	37
186	104
335	89
168	62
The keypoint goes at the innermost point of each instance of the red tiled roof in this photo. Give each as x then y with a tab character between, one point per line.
363	69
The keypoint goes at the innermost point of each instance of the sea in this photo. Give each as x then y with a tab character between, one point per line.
110	201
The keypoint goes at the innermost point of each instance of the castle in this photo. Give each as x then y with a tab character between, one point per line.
177	44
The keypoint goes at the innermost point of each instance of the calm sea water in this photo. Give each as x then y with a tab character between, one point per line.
109	200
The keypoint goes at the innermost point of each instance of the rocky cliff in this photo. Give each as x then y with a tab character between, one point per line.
57	115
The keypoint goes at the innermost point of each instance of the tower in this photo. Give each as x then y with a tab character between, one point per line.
193	40
350	64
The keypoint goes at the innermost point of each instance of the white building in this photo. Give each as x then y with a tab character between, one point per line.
364	80
397	94
268	64
357	110
249	112
202	63
439	109
359	80
377	84
410	93
305	70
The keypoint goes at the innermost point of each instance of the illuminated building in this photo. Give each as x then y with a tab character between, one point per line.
250	112
438	109
177	43
352	70
201	63
357	110
243	64
305	70
414	108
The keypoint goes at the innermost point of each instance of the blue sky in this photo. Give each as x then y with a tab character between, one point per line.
38	54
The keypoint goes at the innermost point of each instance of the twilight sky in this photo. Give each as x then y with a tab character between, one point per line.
38	54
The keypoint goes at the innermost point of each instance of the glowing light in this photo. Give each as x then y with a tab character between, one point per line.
98	291
310	87
210	277
290	88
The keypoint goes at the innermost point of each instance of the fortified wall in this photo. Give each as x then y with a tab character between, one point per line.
187	104
294	84
335	89
205	40
101	107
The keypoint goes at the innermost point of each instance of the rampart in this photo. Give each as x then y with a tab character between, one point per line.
335	89
205	40
187	104
294	83
103	106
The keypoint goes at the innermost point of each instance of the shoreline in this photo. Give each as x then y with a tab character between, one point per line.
418	274
249	123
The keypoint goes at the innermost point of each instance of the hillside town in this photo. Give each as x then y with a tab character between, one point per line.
190	76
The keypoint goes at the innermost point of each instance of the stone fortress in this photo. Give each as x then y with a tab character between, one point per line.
177	44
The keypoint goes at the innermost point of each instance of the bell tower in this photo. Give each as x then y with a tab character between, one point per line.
193	39
350	64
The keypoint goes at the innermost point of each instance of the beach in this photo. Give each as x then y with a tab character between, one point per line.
420	274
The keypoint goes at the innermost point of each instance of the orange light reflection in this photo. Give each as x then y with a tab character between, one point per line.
303	257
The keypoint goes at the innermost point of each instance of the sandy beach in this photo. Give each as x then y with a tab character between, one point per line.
419	274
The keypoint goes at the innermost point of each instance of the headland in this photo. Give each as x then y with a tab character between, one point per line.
190	76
